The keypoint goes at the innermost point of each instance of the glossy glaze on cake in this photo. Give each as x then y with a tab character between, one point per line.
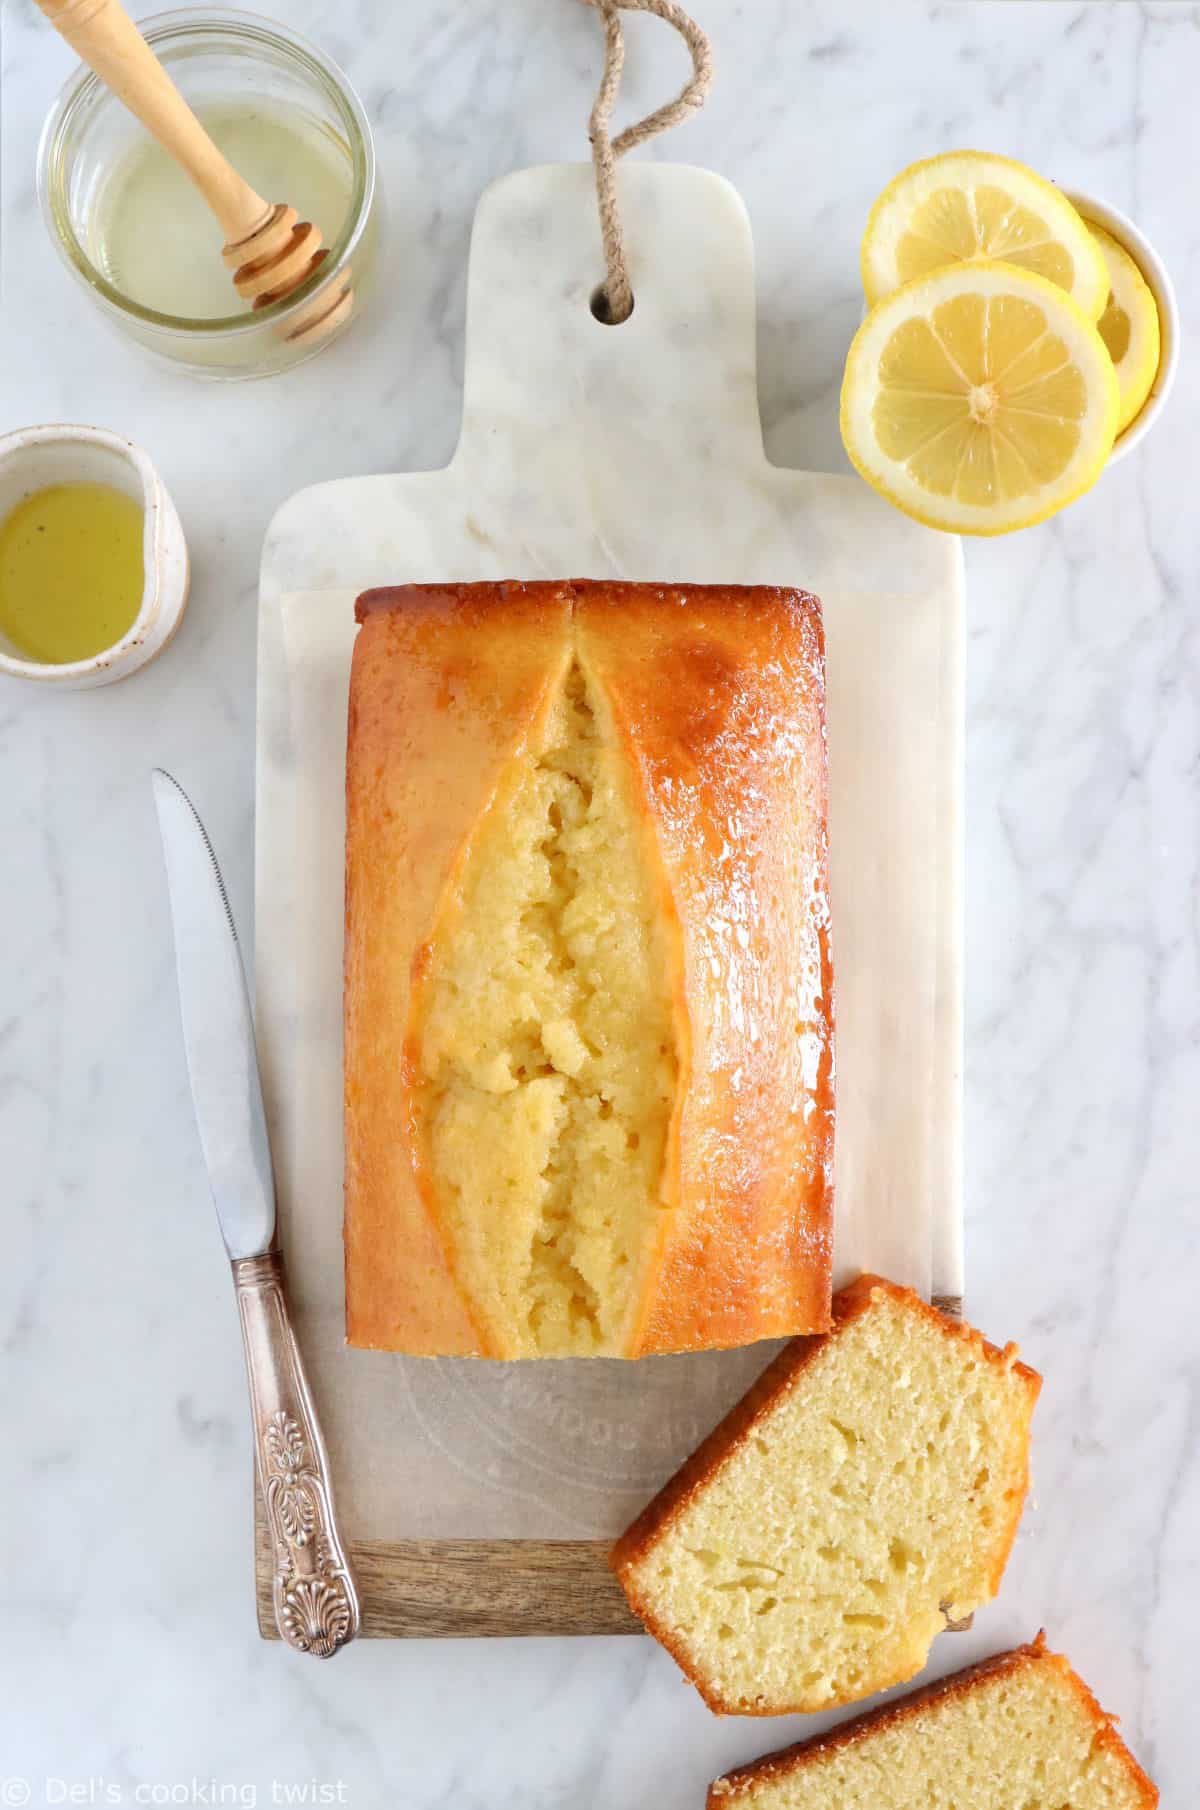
589	1101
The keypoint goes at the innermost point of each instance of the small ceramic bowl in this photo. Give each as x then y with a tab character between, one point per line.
34	457
1161	288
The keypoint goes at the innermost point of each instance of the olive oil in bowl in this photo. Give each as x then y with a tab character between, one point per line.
72	572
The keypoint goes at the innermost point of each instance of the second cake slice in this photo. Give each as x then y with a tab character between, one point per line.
864	1494
1019	1732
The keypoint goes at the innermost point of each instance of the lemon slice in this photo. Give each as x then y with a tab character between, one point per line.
969	205
979	399
1129	326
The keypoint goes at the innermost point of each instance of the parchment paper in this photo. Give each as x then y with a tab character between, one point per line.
589	454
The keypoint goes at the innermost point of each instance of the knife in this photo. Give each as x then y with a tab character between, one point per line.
313	1588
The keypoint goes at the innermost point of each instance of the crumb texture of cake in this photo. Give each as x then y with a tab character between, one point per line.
1019	1732
546	1048
588	987
864	1493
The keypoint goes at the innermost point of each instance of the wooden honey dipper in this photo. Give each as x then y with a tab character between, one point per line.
267	247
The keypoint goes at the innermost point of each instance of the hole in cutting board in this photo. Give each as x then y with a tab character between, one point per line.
599	307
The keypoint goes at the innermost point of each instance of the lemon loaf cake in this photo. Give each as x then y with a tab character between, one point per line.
1019	1732
865	1493
588	998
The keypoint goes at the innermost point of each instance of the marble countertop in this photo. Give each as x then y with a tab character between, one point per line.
135	1673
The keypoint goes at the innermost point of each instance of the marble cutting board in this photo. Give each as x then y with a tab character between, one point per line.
480	1498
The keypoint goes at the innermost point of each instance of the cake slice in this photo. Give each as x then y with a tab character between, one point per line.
865	1493
1020	1732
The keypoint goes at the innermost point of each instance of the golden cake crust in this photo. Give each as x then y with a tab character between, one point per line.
724	1792
716	694
697	1472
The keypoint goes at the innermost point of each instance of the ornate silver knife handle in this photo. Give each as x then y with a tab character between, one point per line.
316	1601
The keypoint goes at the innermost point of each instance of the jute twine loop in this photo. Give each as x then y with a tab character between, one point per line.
617	295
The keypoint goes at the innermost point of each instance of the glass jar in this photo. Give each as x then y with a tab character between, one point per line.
218	58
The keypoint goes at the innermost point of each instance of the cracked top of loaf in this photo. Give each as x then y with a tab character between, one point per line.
588	993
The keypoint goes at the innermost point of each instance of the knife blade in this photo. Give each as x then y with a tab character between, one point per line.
313	1592
218	1031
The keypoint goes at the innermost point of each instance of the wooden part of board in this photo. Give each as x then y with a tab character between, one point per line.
452	1589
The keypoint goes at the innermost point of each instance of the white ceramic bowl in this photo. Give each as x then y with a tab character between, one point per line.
34	457
1155	272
